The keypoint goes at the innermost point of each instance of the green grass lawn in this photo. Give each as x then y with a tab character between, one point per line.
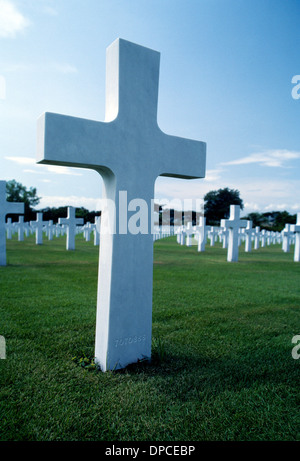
222	366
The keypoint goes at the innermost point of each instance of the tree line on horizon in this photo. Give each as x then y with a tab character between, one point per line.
216	207
16	192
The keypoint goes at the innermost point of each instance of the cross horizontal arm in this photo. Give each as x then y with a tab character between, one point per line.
102	146
183	158
73	141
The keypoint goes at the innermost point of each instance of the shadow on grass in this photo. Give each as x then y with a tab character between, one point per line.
187	377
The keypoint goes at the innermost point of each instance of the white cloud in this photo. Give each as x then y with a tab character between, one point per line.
11	20
276	207
61	170
22	160
42	169
250	206
272	158
258	194
56	201
213	175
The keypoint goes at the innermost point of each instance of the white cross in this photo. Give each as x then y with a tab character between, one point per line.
286	234
201	231
49	229
256	237
212	234
296	228
263	235
248	232
6	208
9	228
224	234
233	224
183	236
38	226
21	228
71	222
87	230
96	230
189	232
129	151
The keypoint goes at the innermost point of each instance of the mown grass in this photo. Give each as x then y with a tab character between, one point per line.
222	367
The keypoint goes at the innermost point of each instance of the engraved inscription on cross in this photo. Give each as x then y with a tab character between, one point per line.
130	151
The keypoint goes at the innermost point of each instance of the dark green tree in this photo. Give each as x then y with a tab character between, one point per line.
217	204
272	220
16	192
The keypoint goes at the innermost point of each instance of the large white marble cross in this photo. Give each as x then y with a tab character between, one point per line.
6	208
129	151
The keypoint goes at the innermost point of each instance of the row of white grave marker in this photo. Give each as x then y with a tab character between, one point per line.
72	226
233	231
69	226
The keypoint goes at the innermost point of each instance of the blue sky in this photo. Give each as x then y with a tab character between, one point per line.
225	78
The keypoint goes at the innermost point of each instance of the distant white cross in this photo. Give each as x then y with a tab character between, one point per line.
286	235
233	224
9	228
248	232
129	151
189	232
87	230
263	235
5	209
212	234
71	222
201	232
96	229
256	237
296	228
38	225
224	233
49	229
21	226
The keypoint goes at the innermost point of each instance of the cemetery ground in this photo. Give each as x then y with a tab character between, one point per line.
222	366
